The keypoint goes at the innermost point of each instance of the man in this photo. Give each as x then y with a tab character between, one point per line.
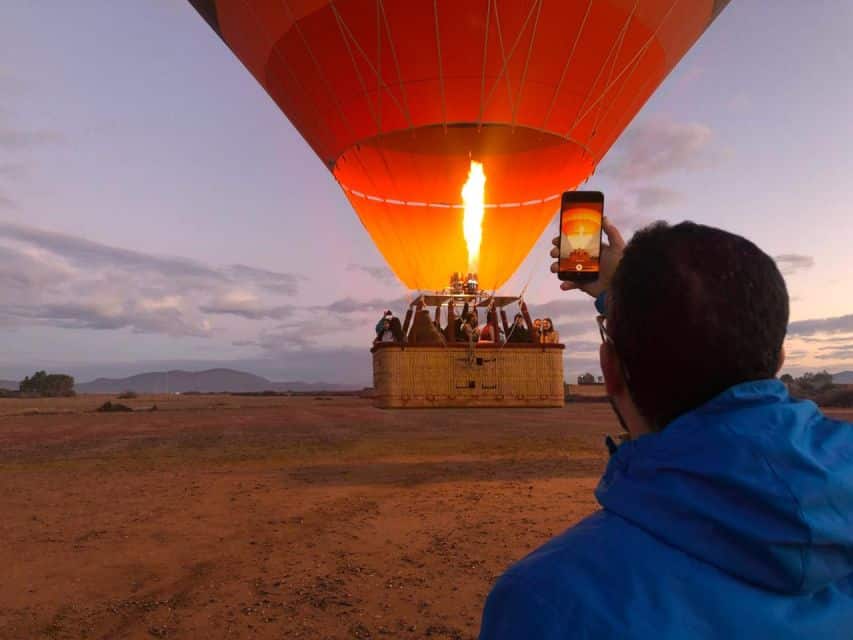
381	325
518	332
728	513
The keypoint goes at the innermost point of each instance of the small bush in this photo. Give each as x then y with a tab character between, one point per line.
128	395
838	396
112	407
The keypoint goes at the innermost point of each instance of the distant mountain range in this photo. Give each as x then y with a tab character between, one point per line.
843	377
211	381
224	380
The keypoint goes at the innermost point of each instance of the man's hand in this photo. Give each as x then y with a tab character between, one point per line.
611	254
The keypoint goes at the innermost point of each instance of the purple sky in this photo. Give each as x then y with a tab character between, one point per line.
157	209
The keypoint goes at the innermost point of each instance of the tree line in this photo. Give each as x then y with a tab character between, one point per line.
46	384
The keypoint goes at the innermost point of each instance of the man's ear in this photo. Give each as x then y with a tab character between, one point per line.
611	370
781	359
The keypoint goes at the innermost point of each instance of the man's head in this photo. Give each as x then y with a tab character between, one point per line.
518	320
693	310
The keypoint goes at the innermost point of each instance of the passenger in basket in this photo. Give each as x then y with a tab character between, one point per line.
487	334
458	322
380	326
537	330
384	333
518	332
423	331
397	330
470	330
548	333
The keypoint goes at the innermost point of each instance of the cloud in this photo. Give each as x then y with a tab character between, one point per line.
839	353
381	274
67	281
245	305
351	305
554	309
583	346
88	254
24	273
11	169
188	274
311	331
827	340
145	316
656	197
14	138
838	324
6	202
283	283
11	139
790	263
574	329
248	312
655	148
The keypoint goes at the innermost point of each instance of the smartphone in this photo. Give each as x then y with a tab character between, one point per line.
581	213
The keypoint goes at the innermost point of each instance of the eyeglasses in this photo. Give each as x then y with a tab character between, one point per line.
606	339
602	329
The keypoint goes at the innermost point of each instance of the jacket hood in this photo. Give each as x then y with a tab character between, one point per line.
753	482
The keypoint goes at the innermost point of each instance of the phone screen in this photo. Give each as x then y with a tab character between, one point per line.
580	235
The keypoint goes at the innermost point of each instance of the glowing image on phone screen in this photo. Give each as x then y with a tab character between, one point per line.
580	237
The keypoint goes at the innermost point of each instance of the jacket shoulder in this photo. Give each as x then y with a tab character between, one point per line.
563	589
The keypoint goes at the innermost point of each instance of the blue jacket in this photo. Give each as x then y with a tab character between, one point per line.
736	521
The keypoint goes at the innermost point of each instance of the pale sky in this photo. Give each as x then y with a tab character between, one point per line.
158	210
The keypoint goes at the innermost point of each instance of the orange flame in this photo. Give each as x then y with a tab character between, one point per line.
473	196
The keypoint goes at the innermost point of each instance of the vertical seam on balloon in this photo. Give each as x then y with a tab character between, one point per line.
603	114
380	81
414	266
406	112
506	58
526	63
613	49
440	66
622	35
639	53
483	71
566	66
317	66
284	63
358	74
346	34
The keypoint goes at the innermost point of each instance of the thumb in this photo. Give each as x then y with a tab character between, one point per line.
614	237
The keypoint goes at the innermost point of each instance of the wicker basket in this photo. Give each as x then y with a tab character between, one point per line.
463	376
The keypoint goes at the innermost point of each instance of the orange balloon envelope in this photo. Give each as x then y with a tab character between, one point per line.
398	96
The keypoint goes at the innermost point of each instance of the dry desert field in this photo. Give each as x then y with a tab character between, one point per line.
277	517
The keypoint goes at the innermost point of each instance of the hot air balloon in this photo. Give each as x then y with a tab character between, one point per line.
453	126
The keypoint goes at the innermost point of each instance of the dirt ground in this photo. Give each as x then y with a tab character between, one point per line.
251	517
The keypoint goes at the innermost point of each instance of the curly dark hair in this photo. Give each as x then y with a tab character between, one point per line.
694	310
